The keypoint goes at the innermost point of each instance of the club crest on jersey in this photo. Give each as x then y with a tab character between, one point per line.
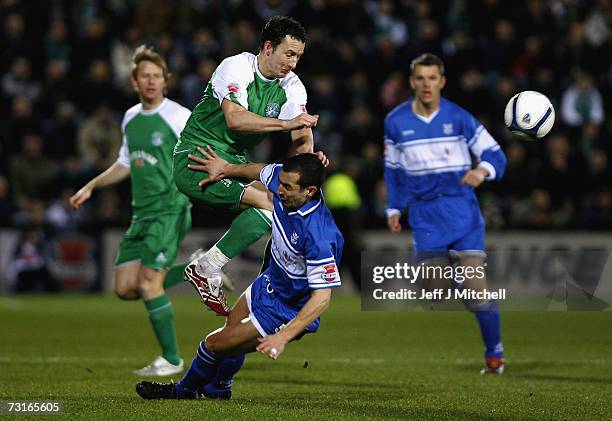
294	238
233	88
329	272
157	138
447	128
272	110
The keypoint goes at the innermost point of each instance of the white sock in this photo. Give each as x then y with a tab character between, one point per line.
211	263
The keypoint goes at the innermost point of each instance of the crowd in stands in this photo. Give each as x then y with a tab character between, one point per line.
64	80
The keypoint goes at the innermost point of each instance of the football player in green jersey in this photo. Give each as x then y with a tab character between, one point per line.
247	97
161	214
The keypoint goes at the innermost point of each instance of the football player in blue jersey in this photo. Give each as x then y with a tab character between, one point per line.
430	145
286	300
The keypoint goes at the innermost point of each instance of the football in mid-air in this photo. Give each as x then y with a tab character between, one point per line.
529	115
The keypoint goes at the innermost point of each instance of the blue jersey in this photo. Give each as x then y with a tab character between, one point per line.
426	158
306	245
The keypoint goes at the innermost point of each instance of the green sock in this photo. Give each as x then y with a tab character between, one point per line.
246	228
175	275
161	316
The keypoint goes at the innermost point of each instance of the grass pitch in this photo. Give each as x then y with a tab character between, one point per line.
81	350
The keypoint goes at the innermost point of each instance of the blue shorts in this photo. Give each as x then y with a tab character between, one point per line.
447	224
268	312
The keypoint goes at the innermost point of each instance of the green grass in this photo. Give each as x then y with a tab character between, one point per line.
361	365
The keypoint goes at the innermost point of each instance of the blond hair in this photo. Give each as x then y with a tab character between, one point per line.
144	53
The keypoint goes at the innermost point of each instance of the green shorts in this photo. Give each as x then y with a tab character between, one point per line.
154	240
226	193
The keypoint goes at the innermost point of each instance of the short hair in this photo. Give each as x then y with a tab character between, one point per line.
278	27
427	59
309	167
144	53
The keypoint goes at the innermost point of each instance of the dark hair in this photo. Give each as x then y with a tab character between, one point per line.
427	59
309	167
278	27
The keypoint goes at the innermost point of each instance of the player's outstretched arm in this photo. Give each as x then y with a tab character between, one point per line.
239	119
113	174
274	345
218	168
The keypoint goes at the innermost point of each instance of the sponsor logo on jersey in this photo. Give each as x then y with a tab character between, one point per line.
294	238
407	132
142	156
272	110
447	128
157	138
303	108
329	272
233	88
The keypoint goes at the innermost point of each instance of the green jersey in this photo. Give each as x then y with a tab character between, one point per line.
239	80
149	137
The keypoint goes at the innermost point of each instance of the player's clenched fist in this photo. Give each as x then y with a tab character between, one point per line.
80	197
394	224
303	121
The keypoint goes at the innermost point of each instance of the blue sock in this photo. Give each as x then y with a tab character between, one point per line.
202	370
221	385
487	314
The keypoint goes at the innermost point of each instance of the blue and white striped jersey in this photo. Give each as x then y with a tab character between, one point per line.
306	245
427	157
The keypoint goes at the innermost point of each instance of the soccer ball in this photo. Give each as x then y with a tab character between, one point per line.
529	115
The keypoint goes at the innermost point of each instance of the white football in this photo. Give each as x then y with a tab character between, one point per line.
529	115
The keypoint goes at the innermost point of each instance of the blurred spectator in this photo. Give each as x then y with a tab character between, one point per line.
98	88
31	172
581	103
193	84
93	45
57	87
57	45
99	139
60	132
19	82
28	268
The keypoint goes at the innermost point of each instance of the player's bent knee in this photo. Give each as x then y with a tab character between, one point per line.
126	293
150	282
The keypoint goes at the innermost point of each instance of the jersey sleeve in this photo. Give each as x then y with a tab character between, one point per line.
321	265
487	151
124	154
231	79
393	171
123	157
177	119
296	99
269	176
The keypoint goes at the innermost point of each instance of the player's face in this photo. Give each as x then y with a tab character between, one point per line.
291	194
149	83
427	82
284	58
